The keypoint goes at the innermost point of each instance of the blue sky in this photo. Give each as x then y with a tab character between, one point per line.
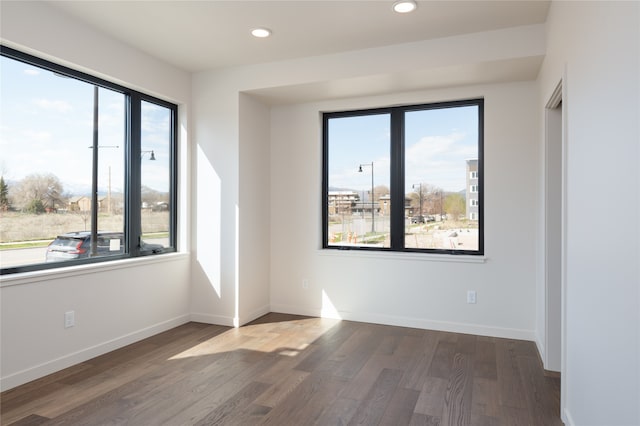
46	127
438	143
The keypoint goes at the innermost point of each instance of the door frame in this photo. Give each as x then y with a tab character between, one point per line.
552	352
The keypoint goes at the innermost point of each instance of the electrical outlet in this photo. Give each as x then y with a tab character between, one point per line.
305	283
69	319
471	296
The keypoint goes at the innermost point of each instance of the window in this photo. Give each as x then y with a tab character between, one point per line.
155	173
473	203
407	168
78	153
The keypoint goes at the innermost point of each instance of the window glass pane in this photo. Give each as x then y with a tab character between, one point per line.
65	143
155	168
111	183
358	181
441	178
46	163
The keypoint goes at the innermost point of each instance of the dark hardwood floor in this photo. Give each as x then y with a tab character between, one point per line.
292	370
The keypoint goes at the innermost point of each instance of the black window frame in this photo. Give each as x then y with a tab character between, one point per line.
397	174
133	125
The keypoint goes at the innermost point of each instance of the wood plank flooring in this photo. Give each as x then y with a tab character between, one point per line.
292	370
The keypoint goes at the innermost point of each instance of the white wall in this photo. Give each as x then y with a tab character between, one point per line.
407	289
597	45
215	174
254	208
237	189
114	306
116	303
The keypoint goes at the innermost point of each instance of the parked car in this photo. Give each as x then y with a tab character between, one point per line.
77	245
418	219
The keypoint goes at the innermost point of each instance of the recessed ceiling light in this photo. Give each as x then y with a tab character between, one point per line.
261	32
405	6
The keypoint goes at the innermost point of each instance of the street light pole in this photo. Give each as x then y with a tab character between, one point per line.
373	227
420	195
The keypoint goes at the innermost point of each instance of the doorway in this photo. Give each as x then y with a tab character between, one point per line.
554	229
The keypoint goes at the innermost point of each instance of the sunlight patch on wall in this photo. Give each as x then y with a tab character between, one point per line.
328	309
208	220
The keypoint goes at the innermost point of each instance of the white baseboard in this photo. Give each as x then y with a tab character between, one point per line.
44	369
297	310
567	419
540	347
254	314
213	319
454	327
229	321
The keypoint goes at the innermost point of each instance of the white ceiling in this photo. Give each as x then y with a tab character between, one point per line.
202	35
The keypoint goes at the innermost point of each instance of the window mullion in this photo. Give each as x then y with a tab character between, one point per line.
173	197
480	104
397	179
94	176
325	181
133	176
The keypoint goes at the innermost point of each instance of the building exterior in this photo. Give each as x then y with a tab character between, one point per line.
342	202
83	203
384	206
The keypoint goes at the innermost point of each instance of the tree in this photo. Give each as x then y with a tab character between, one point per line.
4	195
380	191
35	207
45	188
435	200
432	198
150	196
454	205
85	215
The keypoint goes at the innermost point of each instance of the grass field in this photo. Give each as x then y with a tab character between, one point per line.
20	230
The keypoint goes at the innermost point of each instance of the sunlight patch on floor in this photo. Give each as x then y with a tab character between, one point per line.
267	338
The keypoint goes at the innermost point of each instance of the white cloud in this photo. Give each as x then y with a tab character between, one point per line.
35	136
429	148
58	106
439	160
351	178
31	71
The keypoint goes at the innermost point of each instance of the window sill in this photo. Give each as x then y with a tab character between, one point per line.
77	270
392	255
